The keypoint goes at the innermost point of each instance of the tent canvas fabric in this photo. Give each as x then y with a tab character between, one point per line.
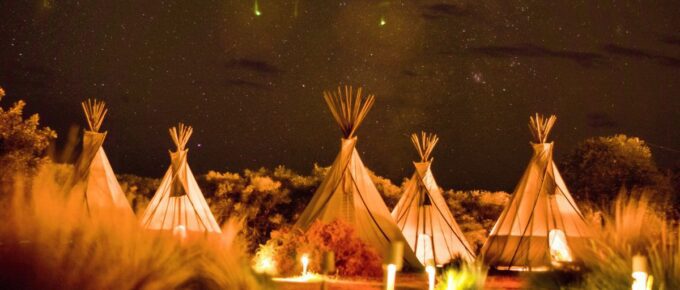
540	205
348	193
94	178
179	202
423	216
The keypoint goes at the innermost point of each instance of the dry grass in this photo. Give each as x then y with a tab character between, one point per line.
635	226
48	241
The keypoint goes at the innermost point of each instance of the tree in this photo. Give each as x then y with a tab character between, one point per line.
599	167
23	143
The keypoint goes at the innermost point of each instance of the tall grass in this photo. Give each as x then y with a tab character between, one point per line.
634	226
48	241
465	276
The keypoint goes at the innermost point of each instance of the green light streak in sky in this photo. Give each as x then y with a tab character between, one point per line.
256	9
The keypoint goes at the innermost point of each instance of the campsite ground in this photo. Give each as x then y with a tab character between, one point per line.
404	282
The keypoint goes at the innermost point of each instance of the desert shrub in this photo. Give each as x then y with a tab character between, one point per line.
353	257
23	143
138	190
599	167
48	241
265	199
476	212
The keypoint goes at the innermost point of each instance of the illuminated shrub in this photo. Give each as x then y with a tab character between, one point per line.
353	257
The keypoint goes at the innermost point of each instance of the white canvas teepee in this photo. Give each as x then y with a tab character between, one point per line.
347	192
94	177
423	215
178	206
541	227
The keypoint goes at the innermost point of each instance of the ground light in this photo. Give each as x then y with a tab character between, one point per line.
180	231
641	280
393	263
431	272
391	276
305	262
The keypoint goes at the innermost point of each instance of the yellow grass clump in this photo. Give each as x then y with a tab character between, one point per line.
48	241
634	226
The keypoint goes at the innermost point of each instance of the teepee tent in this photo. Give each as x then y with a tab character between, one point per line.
94	177
347	192
541	227
178	206
423	215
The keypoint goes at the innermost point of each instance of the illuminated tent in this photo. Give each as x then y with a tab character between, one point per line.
423	215
94	177
178	206
541	227
347	192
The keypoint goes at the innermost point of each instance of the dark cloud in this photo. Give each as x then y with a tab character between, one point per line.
245	83
409	73
600	120
253	65
673	40
585	59
642	54
439	10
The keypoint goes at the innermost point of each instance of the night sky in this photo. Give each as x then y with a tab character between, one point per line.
470	71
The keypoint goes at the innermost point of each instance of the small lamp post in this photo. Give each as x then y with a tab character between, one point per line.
431	272
305	262
327	267
328	263
642	280
393	263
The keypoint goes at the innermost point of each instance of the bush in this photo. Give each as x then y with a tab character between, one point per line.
138	190
48	241
23	143
265	199
599	167
353	257
476	212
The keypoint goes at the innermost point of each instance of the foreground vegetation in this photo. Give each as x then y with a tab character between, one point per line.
49	241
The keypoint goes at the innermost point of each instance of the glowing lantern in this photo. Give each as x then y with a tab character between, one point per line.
641	280
264	261
305	262
180	231
265	265
559	250
431	272
391	276
394	262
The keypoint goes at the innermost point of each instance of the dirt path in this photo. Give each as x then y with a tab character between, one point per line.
404	282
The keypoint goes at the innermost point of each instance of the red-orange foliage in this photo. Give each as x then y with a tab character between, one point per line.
353	257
